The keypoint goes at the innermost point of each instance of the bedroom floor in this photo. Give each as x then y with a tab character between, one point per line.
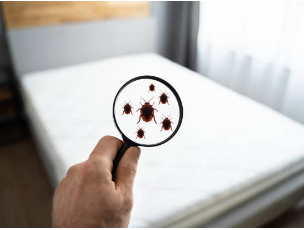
26	193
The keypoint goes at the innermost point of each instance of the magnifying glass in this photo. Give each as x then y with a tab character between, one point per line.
148	112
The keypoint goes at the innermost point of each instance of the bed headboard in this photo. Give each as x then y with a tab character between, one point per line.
40	48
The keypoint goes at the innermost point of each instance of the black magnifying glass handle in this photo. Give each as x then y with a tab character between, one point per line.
119	156
121	152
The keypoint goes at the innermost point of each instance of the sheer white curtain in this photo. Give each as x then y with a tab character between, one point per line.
255	48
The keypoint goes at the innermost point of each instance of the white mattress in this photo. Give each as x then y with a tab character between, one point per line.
228	149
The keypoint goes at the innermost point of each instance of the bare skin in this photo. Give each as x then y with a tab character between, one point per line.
88	197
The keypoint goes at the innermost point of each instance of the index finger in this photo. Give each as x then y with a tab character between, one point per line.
107	147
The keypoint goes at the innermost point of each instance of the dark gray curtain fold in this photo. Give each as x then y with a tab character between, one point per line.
183	33
177	30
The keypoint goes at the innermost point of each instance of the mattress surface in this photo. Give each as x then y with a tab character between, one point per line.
228	148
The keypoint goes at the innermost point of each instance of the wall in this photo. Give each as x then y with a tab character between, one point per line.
55	41
42	48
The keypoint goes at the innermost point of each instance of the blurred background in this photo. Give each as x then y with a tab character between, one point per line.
252	48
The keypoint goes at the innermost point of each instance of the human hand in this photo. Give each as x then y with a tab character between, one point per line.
87	196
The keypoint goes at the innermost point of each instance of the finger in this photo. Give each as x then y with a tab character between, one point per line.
126	170
107	147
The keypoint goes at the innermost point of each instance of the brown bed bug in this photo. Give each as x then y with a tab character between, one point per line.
163	98
127	108
140	133
147	111
152	87
166	124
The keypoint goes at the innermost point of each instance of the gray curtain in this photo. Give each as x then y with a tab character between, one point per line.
177	30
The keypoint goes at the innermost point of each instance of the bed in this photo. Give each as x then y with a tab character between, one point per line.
234	162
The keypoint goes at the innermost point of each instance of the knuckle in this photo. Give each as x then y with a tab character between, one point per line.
94	169
103	139
89	168
98	162
62	181
72	170
106	138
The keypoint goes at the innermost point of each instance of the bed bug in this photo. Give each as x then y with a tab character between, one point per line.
127	108
152	87
140	133
147	111
163	98
166	124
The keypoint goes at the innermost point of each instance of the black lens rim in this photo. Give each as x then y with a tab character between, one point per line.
174	92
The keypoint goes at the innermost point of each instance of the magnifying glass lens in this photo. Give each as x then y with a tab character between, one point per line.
147	112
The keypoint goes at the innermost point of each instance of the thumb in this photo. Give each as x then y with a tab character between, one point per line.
126	169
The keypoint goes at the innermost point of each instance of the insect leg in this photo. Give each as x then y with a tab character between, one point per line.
154	118
156	109
123	112
172	129
139	119
138	110
161	128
